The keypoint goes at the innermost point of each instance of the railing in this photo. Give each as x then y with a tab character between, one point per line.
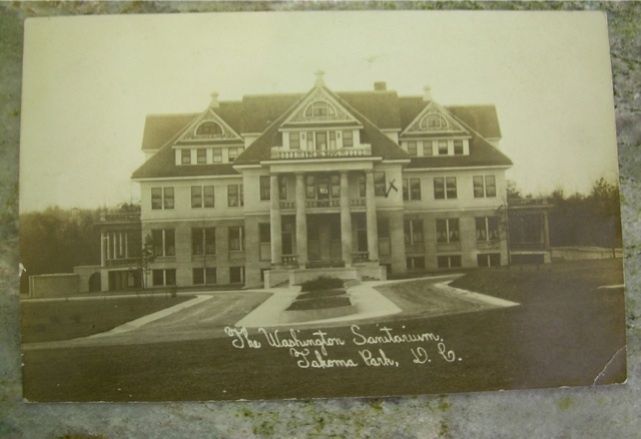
325	263
357	202
121	261
360	256
290	260
286	204
527	245
329	202
278	153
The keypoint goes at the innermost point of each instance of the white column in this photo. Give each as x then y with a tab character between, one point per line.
102	249
372	225
346	221
275	219
301	221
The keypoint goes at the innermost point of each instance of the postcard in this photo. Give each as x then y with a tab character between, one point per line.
295	205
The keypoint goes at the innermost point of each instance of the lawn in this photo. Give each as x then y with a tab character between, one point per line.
564	333
63	320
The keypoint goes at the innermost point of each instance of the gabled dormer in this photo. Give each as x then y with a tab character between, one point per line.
208	139
435	132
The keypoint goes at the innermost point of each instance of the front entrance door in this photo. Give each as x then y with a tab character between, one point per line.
324	238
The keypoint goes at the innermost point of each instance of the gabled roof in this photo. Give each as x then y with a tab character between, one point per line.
160	128
260	149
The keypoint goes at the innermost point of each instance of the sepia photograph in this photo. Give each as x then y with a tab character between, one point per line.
296	205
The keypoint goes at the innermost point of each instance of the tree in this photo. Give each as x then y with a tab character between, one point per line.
147	256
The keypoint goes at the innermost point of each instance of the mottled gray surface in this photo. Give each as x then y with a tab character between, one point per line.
613	411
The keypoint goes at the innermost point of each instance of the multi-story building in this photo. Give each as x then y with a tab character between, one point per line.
346	183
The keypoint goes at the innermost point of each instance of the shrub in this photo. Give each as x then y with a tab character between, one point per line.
321	283
324	303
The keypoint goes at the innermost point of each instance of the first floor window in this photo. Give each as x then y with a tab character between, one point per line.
488	259
236	275
487	228
202	276
164	277
164	243
379	184
413	231
236	242
416	263
447	230
449	261
282	188
234	195
265	187
203	241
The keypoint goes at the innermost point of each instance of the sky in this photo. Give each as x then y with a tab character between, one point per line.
90	81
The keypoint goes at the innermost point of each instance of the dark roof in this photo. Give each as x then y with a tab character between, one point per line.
381	107
481	118
162	164
161	128
382	146
261	110
482	153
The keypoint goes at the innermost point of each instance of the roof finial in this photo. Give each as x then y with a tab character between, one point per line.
427	93
320	82
214	100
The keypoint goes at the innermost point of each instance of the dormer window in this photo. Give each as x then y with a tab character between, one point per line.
211	129
320	110
433	122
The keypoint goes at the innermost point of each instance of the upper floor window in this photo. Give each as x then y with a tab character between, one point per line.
444	188
380	185
209	129
411	189
234	195
202	196
265	187
162	198
236	238
233	153
458	147
413	229
411	148
442	147
484	186
433	122
217	155
447	230
487	228
201	156
320	109
164	242
185	156
348	138
294	140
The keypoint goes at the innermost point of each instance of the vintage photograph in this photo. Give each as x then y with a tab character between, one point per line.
318	204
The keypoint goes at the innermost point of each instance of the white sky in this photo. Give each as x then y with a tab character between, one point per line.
89	82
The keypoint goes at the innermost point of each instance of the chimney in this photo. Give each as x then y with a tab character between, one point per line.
380	86
320	80
427	93
214	100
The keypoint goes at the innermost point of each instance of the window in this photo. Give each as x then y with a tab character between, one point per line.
265	187
201	156
487	228
164	277
310	187
203	241
383	237
332	140
209	129
234	195
217	155
484	186
411	148
294	140
320	109
233	153
196	197
360	184
413	231
379	184
449	261
198	275
444	188
335	185
458	147
185	157
162	198
264	238
488	259
210	199
236	275
156	198
416	263
163	241
442	147
447	230
321	141
427	149
411	189
348	138
433	122
202	276
282	188
236	240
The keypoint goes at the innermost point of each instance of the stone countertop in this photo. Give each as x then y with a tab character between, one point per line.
611	411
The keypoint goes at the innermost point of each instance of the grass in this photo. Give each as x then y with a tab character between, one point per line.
63	320
564	333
